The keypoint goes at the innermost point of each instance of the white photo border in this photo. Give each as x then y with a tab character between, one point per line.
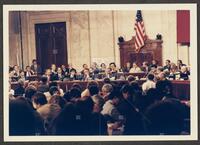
70	7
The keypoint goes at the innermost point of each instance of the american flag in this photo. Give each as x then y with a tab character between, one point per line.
140	36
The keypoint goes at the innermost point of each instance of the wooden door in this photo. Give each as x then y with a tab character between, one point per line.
51	44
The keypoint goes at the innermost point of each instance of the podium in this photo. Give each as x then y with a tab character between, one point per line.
152	49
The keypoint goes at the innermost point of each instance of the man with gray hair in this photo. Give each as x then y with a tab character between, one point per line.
106	90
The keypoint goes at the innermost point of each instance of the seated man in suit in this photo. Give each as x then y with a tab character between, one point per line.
48	74
184	74
60	74
154	64
35	67
28	72
145	67
72	75
87	75
94	70
65	71
180	64
168	65
127	68
54	74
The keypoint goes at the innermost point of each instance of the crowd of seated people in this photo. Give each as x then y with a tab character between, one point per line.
116	108
169	71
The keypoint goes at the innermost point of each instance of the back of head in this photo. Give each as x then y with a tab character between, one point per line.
164	88
125	88
131	78
135	86
67	96
115	94
75	93
93	89
57	100
53	90
44	79
65	122
55	84
107	87
150	77
76	85
39	98
92	83
85	106
21	118
21	82
106	81
164	118
30	91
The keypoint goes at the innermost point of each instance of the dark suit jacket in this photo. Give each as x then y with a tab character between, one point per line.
38	70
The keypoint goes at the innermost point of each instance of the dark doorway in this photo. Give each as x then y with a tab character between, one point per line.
51	44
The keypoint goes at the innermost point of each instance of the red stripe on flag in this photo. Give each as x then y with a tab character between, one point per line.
139	31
